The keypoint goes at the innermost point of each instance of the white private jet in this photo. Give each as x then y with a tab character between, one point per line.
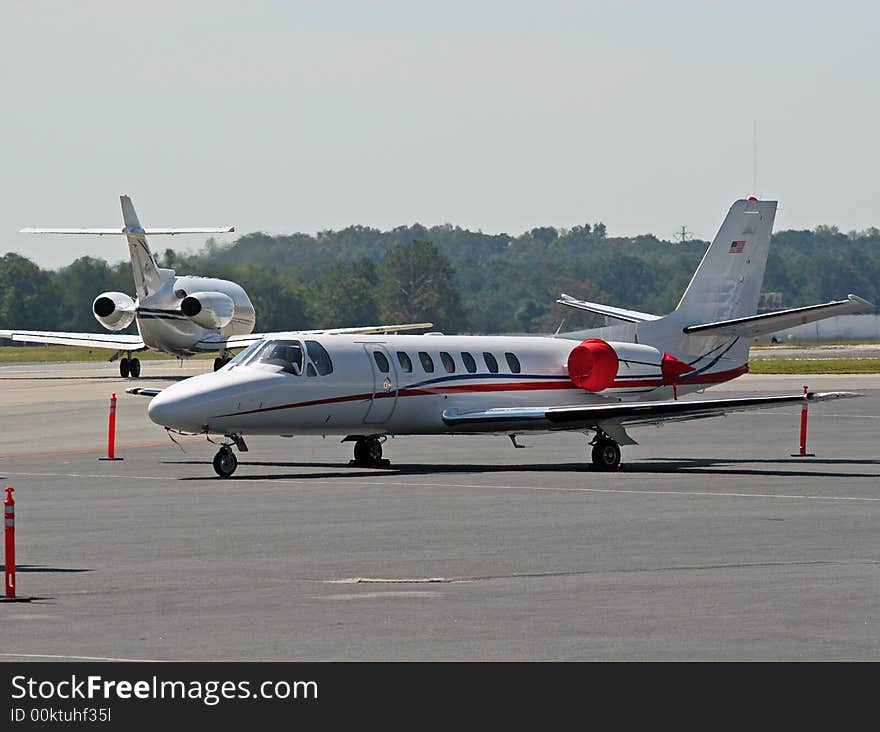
600	382
179	315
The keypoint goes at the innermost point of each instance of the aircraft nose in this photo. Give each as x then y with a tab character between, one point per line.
165	409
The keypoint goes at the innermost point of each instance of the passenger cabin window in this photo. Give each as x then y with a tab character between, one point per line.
381	361
405	362
286	354
427	363
319	357
491	363
469	363
513	362
448	362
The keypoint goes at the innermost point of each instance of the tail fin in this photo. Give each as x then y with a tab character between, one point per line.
727	284
148	276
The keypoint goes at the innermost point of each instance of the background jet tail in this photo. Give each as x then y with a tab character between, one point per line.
148	276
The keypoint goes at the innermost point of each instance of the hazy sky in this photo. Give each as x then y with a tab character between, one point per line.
500	116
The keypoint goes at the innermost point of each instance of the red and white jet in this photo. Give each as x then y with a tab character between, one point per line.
600	382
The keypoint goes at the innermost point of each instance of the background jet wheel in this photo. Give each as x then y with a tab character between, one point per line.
368	451
123	368
134	367
606	455
225	462
219	363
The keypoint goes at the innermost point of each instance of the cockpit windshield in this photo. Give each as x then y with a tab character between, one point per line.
286	354
244	355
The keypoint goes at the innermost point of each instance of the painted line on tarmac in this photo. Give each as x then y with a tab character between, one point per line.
78	658
87	450
305	482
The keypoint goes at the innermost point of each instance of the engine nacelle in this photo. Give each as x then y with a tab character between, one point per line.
208	309
114	310
596	365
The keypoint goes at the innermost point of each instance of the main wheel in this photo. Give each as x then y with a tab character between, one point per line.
219	363
606	455
225	462
368	451
134	367
123	368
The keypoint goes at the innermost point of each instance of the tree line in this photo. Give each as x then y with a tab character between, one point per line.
461	280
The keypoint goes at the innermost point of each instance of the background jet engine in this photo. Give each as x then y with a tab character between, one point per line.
114	310
208	309
596	365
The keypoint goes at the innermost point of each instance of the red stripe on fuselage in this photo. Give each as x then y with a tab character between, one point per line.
707	378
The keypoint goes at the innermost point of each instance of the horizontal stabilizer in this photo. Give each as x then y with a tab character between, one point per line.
593	416
630	316
147	232
755	325
89	340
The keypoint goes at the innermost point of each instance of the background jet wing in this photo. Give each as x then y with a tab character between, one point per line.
90	340
240	341
591	416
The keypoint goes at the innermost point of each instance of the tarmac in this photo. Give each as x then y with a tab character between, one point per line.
711	543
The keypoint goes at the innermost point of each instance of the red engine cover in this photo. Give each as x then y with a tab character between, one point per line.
592	365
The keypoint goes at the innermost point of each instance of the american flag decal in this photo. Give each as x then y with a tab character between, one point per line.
737	246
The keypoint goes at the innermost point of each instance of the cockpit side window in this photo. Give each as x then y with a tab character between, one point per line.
286	354
319	357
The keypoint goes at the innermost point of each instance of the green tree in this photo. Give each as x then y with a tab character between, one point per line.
346	295
27	299
416	285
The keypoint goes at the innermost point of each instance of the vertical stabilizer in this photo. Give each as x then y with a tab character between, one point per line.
727	284
148	276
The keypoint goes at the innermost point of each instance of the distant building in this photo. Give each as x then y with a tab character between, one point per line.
769	301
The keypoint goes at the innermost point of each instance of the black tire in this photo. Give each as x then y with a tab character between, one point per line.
219	363
225	462
123	368
606	455
134	367
368	451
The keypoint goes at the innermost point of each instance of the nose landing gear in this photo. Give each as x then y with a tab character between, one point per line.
225	461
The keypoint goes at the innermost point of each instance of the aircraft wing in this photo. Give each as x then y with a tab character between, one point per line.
90	340
755	325
240	341
613	416
629	316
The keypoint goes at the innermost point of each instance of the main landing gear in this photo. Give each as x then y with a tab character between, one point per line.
220	362
606	453
225	461
368	453
129	367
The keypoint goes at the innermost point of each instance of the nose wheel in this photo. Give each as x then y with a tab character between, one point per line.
219	363
606	454
368	453
225	462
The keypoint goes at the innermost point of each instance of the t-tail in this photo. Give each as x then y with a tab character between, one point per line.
718	313
148	276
